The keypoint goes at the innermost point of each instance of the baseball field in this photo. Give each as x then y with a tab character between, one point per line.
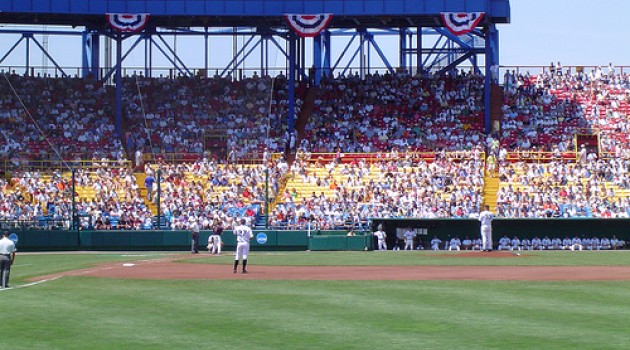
319	300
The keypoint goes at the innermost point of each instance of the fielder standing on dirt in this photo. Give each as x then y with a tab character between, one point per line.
486	217
243	235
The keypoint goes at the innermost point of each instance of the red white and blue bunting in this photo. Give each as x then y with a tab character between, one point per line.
460	23
128	22
308	25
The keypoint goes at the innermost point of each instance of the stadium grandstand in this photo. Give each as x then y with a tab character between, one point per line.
311	149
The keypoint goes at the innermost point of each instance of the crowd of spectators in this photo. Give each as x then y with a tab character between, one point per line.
390	114
546	111
386	111
346	195
72	115
562	189
207	192
174	115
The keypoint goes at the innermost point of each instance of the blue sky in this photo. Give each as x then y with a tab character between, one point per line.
574	32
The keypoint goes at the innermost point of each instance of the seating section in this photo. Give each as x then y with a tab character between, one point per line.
386	145
599	188
74	115
342	195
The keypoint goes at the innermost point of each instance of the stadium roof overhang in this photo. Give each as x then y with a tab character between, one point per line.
96	22
250	13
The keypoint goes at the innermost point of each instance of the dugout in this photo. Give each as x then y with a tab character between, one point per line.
444	229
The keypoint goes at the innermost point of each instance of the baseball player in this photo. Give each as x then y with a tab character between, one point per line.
595	243
556	243
504	243
486	217
409	237
476	245
546	243
467	243
526	244
214	240
435	243
243	235
536	243
381	237
454	244
516	244
567	243
576	243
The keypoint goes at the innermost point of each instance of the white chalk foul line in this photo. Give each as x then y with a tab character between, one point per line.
31	284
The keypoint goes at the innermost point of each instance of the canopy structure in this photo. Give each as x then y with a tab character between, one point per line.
432	36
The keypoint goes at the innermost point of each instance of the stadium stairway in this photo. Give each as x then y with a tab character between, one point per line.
143	192
490	188
305	114
496	106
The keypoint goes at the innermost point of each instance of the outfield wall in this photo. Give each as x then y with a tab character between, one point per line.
58	240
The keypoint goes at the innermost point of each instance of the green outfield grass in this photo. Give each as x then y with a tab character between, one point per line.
91	313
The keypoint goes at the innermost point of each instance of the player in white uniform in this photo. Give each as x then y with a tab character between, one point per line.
409	237
537	243
556	243
595	243
467	243
454	244
546	243
476	244
486	217
381	237
243	235
435	243
515	244
576	243
605	243
526	244
566	243
505	243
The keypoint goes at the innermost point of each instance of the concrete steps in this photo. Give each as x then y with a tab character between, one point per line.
490	189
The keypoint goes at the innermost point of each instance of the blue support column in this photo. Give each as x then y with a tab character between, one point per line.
95	59
119	86
419	65
317	58
327	54
85	54
90	55
147	54
492	59
292	68
27	62
402	38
